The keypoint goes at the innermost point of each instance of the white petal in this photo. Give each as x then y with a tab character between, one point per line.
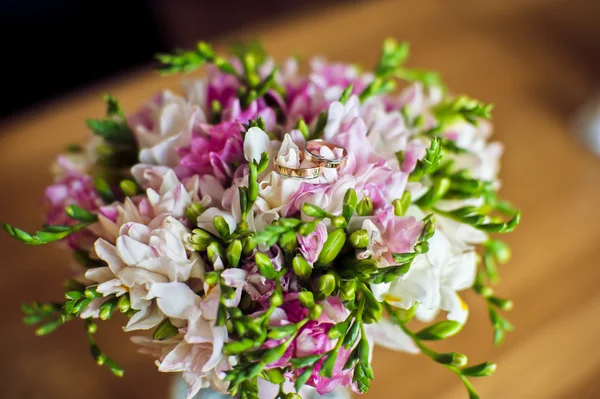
390	336
108	253
255	143
452	303
132	251
175	300
145	319
205	220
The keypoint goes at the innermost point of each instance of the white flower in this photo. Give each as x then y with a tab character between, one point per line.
256	142
390	336
433	281
172	122
143	256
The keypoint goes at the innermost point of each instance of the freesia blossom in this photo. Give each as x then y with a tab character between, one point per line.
144	255
434	280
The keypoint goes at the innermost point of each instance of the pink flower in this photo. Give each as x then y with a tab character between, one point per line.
72	189
310	246
214	150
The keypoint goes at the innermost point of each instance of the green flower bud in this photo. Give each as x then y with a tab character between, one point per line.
315	312
326	285
479	370
313	211
347	291
307	228
215	250
350	198
303	127
107	309
301	267
438	331
365	207
200	239
359	239
307	299
276	298
504	304
292	395
451	359
124	303
265	266
129	188
500	250
264	162
192	212
211	278
339	222
401	204
234	253
235	347
288	240
332	246
221	226
249	246
165	330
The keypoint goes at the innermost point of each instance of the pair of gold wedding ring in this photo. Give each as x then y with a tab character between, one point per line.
312	152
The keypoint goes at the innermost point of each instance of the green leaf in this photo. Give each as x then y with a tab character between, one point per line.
438	331
104	190
346	94
49	234
303	378
113	131
113	108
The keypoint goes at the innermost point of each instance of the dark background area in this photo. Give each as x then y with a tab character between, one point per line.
50	47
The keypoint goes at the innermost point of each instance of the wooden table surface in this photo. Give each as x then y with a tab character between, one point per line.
515	54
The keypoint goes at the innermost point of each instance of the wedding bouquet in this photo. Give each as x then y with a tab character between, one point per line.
269	227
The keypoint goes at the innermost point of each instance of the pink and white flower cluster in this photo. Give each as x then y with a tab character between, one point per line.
195	151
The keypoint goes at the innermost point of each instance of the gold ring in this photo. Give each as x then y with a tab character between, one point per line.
313	150
301	173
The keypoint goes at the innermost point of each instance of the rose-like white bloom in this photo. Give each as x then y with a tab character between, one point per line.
144	255
256	142
433	281
169	126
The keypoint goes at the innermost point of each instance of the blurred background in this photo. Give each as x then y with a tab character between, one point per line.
537	60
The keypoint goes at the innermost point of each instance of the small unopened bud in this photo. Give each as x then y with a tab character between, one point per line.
307	299
129	188
339	222
211	278
165	330
265	266
288	240
479	370
307	228
276	298
292	395
221	226
315	312
332	246
200	240
192	212
347	290
234	253
326	285
501	251
215	250
313	210
124	303
359	239
350	198
301	267
451	359
249	246
504	304
365	207
107	309
401	204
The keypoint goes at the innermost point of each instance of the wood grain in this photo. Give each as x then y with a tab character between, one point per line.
501	52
